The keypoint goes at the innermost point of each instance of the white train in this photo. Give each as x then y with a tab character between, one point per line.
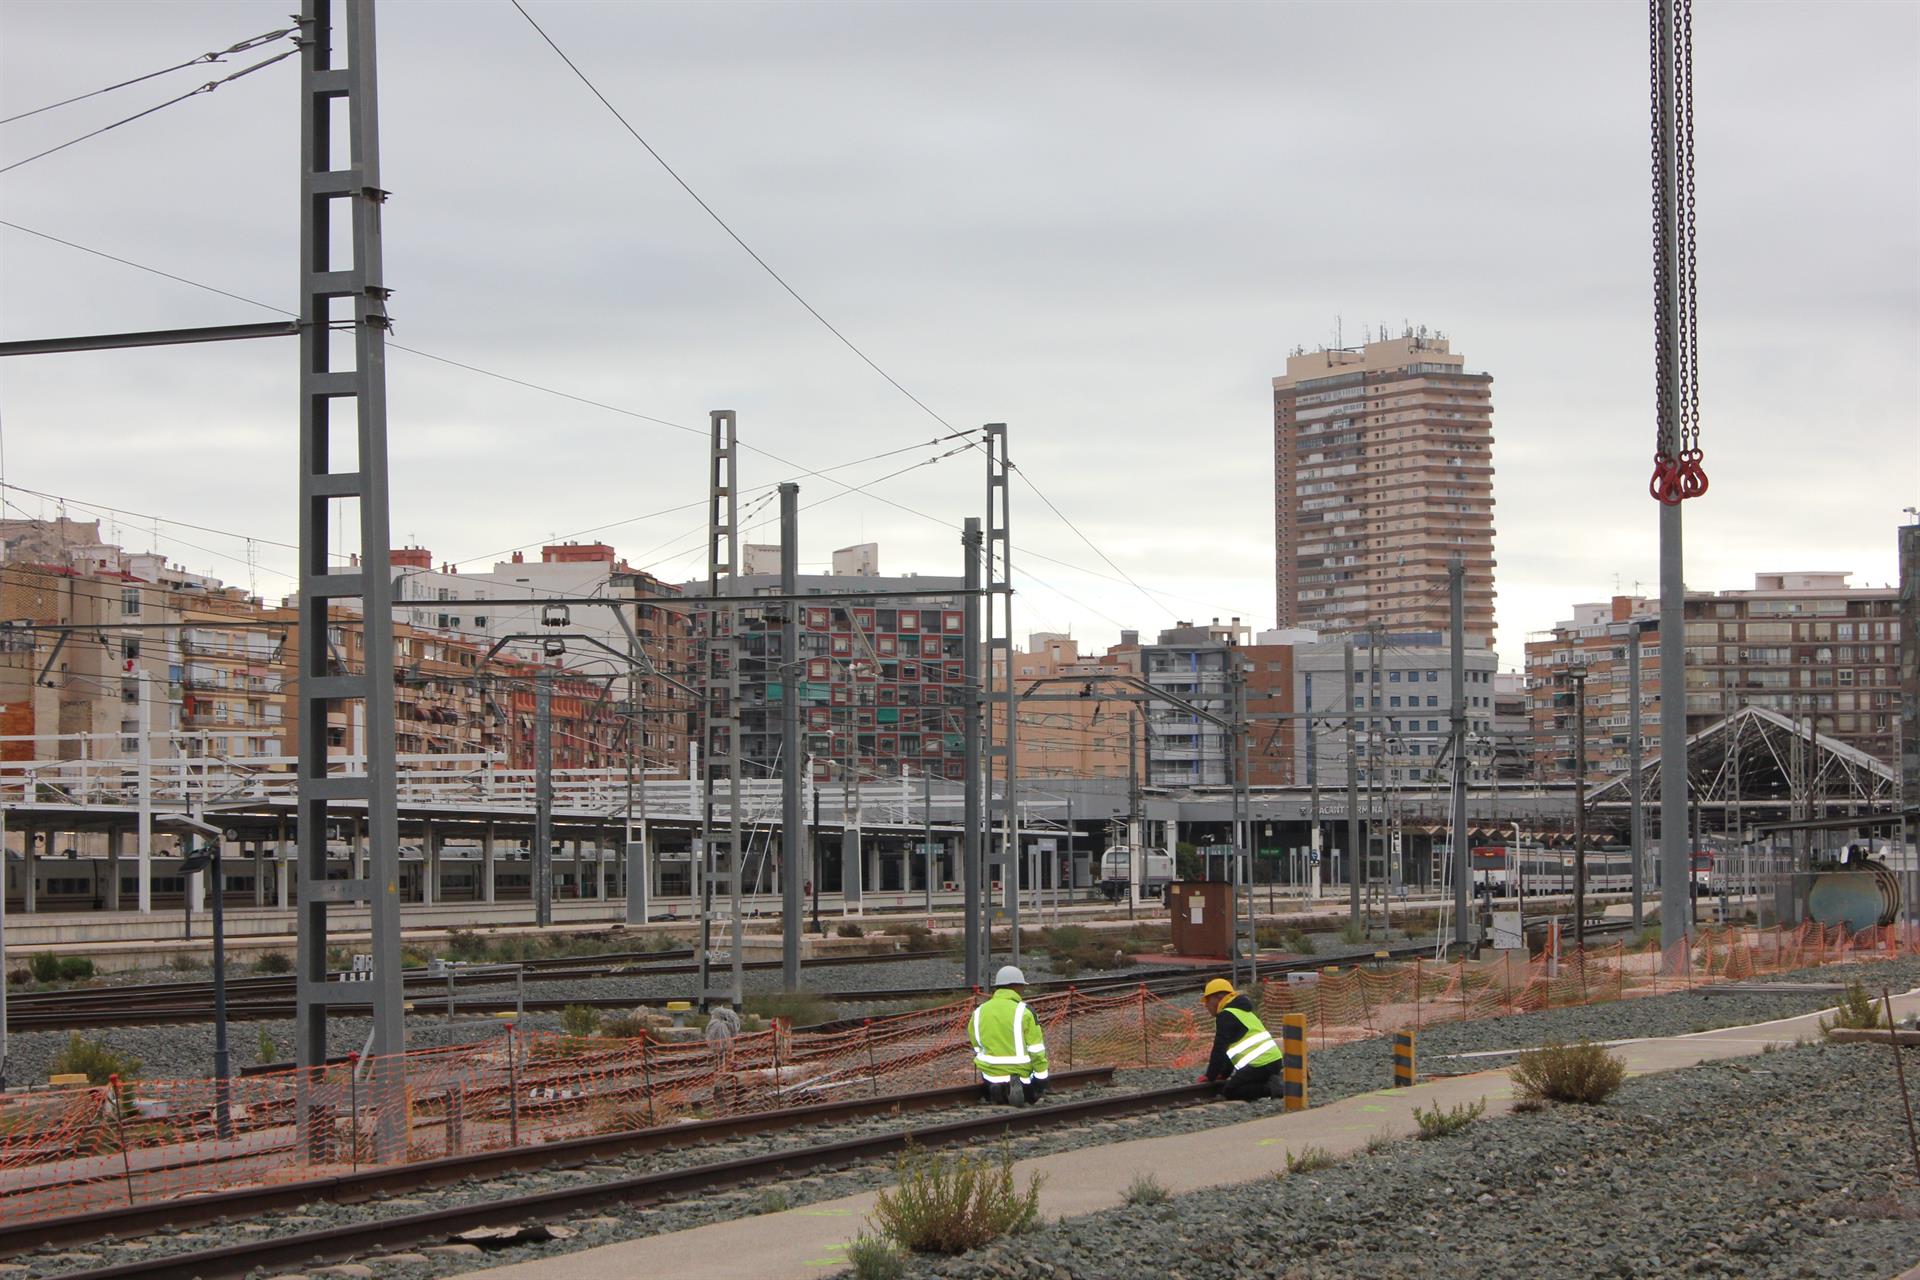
1116	871
1534	871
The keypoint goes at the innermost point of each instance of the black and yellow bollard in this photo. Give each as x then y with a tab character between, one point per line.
1293	1060
1403	1064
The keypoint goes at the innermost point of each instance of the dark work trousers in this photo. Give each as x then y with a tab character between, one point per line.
1250	1083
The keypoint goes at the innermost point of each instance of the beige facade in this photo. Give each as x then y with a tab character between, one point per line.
1802	644
1383	472
1065	735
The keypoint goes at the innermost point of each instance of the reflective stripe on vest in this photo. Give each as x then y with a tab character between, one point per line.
1022	1055
1256	1048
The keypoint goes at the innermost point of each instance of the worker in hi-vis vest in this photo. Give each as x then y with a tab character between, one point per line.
1007	1046
1246	1059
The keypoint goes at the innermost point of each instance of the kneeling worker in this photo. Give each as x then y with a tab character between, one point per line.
1246	1059
1007	1046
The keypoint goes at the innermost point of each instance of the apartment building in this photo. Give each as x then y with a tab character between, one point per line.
1383	473
881	683
1064	734
1407	679
467	606
1803	644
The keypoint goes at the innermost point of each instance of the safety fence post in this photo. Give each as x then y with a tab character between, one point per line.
1070	1020
646	1077
1146	1056
353	1108
1293	1061
1508	966
1417	985
1463	986
776	1061
873	1077
1403	1060
513	1092
456	1105
120	1123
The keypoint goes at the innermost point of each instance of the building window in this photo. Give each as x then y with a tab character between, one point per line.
129	602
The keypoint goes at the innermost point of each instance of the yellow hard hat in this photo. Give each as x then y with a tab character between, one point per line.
1218	987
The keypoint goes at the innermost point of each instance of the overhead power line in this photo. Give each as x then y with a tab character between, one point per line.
722	222
817	473
208	87
253	42
810	308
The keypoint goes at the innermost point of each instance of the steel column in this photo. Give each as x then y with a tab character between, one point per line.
971	868
541	863
999	567
359	474
1637	785
1354	859
1676	915
720	705
793	755
1462	858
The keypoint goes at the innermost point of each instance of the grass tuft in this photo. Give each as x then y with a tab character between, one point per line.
953	1203
1583	1073
1856	1012
1435	1123
873	1258
93	1060
1310	1159
1145	1189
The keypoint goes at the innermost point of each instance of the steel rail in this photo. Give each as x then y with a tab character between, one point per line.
139	1219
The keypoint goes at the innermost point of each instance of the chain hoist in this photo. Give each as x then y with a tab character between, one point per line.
1677	457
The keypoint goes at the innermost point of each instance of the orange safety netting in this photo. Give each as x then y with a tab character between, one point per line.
67	1151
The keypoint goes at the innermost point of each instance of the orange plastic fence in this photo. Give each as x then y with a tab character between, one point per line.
71	1150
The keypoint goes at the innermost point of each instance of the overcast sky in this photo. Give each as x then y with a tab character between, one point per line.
1105	225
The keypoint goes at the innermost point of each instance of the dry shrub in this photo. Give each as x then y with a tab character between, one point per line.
1583	1072
1435	1123
952	1203
1310	1158
1856	1012
872	1258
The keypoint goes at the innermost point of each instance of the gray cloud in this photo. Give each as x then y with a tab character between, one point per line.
1103	224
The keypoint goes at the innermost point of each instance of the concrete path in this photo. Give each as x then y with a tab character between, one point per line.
812	1241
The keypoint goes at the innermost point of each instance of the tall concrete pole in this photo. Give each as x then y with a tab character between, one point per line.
143	837
793	758
970	704
1136	833
542	798
1676	920
1579	675
1462	863
1636	784
1355	862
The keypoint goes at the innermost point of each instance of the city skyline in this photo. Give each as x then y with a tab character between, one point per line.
977	267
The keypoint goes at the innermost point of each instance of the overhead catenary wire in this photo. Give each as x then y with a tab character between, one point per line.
810	308
220	55
208	87
821	473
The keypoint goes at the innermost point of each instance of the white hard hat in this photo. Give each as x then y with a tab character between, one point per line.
1009	976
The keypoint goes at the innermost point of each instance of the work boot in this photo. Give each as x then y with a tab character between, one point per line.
1277	1085
1017	1094
997	1094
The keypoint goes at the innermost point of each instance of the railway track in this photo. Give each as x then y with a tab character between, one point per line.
272	997
160	1004
161	1213
333	1245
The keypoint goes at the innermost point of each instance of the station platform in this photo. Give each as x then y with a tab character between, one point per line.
811	1241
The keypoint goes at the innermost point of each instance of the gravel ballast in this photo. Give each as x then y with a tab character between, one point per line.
1788	1164
1337	1072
